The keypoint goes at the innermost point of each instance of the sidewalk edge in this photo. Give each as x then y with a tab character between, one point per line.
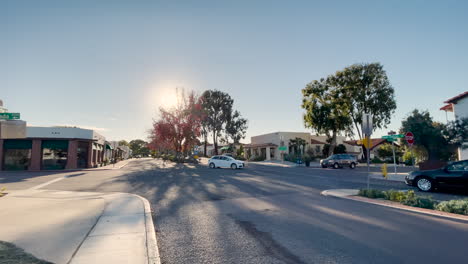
151	242
398	206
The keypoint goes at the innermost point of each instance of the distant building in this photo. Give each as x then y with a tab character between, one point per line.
53	148
268	145
459	106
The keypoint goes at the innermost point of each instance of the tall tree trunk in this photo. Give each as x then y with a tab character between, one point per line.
215	143
332	144
364	152
205	136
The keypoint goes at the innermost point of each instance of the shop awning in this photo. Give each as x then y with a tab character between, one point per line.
225	148
17	144
55	144
108	146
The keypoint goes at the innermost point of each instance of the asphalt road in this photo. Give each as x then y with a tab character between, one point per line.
267	214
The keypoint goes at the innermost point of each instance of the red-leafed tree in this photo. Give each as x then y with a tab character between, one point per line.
177	129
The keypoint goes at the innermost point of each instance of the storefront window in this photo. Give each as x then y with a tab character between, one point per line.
17	159
54	154
83	154
17	154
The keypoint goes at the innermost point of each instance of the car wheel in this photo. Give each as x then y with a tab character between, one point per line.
352	165
233	166
336	165
212	165
424	184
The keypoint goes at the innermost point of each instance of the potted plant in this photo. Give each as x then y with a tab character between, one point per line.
307	160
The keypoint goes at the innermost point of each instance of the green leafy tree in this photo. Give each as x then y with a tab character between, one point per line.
326	109
427	135
456	132
296	144
139	147
217	106
368	90
219	118
236	128
123	143
340	149
385	152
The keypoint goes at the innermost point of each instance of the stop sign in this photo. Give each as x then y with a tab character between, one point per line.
409	138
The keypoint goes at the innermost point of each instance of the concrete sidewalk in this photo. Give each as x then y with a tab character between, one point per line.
80	227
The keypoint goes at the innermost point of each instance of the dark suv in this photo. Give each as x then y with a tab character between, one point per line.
339	161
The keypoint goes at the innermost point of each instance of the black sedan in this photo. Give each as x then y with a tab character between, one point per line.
453	174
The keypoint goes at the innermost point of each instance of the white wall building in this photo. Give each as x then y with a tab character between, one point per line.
459	106
268	145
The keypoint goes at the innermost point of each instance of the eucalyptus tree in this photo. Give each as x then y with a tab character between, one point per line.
366	89
326	109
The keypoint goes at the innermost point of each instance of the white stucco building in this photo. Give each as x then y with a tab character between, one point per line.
269	145
459	106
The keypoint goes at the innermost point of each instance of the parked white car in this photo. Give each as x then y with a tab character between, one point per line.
225	162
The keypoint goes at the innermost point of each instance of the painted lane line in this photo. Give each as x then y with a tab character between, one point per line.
47	183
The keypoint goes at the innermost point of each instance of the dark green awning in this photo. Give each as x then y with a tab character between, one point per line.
55	144
17	144
225	148
109	147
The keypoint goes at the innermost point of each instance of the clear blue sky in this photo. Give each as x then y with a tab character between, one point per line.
111	64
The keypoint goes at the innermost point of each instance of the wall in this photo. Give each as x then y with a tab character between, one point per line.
59	132
460	109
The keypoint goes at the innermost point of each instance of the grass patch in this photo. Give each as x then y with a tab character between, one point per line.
411	199
9	254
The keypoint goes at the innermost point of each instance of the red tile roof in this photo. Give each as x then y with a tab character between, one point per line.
448	108
314	141
455	99
375	142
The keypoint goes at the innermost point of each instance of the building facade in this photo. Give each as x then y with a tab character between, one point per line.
268	145
53	148
459	106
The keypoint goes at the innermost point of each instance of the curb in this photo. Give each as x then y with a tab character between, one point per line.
397	206
151	242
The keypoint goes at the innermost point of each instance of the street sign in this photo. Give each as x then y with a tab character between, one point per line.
283	148
409	137
9	116
367	142
367	126
393	138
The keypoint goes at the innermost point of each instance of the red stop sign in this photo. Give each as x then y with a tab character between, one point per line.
409	138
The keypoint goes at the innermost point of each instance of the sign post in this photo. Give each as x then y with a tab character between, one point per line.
409	137
393	136
367	131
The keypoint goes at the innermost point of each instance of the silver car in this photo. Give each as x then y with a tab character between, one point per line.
337	161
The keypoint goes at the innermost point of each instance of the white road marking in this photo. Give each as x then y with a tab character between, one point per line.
47	183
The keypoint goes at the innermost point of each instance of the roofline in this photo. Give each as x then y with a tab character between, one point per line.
455	99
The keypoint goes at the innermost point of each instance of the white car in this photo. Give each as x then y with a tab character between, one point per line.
225	162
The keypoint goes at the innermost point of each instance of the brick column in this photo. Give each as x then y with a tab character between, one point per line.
36	153
72	156
1	154
90	155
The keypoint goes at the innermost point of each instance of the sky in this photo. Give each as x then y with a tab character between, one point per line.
109	65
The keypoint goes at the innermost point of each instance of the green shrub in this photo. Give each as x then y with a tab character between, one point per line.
454	206
371	193
419	201
396	196
376	160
